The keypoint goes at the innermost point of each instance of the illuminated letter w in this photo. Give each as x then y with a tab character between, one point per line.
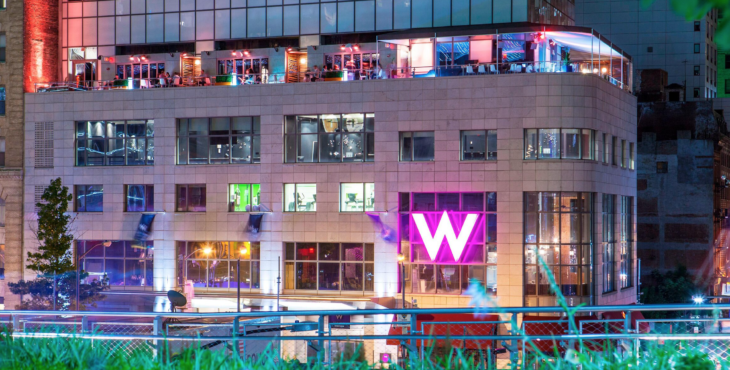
445	229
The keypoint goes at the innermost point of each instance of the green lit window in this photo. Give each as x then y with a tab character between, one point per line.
244	197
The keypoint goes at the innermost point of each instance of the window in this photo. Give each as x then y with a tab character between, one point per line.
609	242
219	268
616	149
364	63
300	197
697	26
225	140
559	144
139	198
727	61
357	197
697	48
632	156
696	70
2	212
417	146
440	271
242	66
115	143
123	262
330	138
662	167
2	101
329	267
650	49
624	162
558	230
244	197
479	145
89	198
727	86
140	70
606	149
627	242
3	42
696	92
2	261
2	152
190	198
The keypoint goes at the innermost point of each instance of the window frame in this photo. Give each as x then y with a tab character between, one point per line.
532	149
626	243
255	138
368	260
187	198
608	243
367	134
86	189
81	153
490	154
296	191
147	259
413	147
182	250
365	208
632	156
231	208
148	190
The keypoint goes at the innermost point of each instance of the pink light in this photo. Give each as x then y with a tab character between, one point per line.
445	229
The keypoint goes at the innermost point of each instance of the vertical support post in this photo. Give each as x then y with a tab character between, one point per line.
278	281
320	342
16	323
238	290
514	354
627	322
236	333
85	324
157	329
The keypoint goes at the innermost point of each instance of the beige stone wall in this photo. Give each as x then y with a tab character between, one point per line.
507	103
11	128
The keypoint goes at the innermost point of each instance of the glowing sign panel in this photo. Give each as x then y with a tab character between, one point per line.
456	233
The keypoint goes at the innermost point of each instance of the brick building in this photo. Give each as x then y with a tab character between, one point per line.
682	187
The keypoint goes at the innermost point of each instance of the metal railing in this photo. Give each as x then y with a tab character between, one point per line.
584	67
509	335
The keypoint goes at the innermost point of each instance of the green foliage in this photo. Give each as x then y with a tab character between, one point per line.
676	286
54	259
693	10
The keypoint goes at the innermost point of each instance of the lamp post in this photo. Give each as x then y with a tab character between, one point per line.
106	244
205	251
401	261
238	271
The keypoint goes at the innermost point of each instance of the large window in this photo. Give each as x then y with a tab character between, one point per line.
330	138
441	271
556	143
300	197
115	143
3	43
219	267
2	101
139	198
242	66
627	242
140	70
123	262
329	266
89	198
558	229
219	140
2	261
244	197
357	197
190	198
362	62
417	146
479	145
609	243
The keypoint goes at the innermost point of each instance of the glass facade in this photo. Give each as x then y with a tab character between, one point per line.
115	143
224	140
219	268
328	267
244	197
559	239
123	262
559	144
346	137
442	273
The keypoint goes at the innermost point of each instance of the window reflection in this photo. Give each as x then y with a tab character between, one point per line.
559	144
123	262
330	138
220	267
114	143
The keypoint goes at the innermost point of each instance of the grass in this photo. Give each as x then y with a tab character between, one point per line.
74	353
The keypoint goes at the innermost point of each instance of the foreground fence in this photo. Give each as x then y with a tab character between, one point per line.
507	337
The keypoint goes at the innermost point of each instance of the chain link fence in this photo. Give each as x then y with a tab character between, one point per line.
122	328
719	349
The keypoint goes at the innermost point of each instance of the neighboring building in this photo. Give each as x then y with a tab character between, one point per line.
683	189
723	68
659	38
530	158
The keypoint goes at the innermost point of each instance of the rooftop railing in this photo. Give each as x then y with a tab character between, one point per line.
509	336
480	69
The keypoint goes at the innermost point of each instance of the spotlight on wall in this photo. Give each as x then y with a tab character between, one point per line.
289	49
143	57
184	55
342	47
356	47
131	57
245	52
234	52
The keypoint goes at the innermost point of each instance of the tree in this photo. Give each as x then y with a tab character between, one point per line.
54	259
676	286
693	10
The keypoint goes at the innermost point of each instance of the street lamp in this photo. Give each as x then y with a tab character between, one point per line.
401	260
205	251
238	271
106	244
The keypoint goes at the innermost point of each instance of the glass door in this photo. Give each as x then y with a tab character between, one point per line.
84	72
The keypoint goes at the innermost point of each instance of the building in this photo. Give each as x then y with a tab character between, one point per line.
472	152
659	38
683	189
